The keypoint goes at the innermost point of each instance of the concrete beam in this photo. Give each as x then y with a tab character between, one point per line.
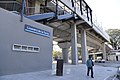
65	55
64	45
61	34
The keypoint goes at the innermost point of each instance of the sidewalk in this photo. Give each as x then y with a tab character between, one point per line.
71	72
110	64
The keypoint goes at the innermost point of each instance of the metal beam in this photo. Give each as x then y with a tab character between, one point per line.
22	10
38	17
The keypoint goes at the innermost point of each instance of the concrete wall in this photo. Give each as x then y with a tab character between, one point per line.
12	32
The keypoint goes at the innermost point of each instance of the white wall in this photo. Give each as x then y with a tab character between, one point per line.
12	32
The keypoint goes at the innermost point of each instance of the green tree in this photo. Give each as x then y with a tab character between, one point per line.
57	54
114	37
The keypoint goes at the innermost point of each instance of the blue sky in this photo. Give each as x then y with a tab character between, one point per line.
107	12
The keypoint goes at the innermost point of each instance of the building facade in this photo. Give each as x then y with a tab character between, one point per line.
25	46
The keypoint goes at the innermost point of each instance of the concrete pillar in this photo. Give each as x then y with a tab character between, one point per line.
84	51
64	47
104	51
74	51
65	55
37	6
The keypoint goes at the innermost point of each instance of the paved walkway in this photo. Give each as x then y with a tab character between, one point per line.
110	64
71	72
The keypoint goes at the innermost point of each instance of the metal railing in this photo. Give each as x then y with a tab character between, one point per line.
10	5
59	9
80	8
62	9
85	9
29	10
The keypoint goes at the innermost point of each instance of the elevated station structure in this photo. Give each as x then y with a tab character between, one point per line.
71	21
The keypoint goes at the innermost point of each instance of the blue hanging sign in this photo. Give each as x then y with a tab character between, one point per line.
37	31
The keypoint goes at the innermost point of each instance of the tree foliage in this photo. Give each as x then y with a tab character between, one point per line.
57	54
20	1
114	37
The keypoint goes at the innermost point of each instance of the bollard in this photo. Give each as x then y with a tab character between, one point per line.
118	73
59	67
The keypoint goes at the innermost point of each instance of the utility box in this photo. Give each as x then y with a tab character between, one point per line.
59	67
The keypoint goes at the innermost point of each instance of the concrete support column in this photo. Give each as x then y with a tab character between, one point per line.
65	55
74	51
104	51
84	51
37	6
64	47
